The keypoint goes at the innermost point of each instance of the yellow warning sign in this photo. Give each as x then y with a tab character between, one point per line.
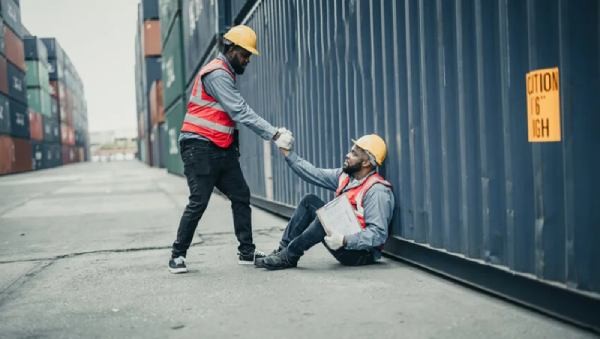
543	105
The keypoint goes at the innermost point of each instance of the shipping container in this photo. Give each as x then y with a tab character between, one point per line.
16	84
151	38
444	82
13	49
67	154
150	9
39	100
15	155
169	9
51	126
171	129
55	69
4	115
153	72
36	126
19	119
11	14
2	45
3	76
37	155
35	49
52	154
37	74
157	110
155	139
53	48
200	29
173	65
54	110
232	12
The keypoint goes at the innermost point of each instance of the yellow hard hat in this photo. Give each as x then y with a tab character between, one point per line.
243	36
373	144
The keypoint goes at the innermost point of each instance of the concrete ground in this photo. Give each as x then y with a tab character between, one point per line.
84	251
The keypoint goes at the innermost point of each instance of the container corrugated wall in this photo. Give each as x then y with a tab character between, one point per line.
444	83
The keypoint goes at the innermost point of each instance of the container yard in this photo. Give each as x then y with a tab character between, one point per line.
301	168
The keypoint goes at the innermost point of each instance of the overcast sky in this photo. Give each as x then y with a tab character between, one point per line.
99	38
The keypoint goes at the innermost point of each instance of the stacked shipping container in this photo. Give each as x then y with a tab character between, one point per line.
149	87
15	145
44	123
68	97
43	116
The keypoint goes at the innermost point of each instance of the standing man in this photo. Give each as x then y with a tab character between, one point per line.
209	149
369	194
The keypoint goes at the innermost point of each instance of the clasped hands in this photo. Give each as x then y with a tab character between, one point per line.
284	139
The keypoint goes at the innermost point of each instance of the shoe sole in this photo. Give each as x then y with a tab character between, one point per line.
178	270
244	262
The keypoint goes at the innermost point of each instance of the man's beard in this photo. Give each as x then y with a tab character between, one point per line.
351	169
237	68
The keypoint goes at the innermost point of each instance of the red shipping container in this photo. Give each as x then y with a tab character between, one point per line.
15	155
157	110
3	76
152	46
54	88
13	47
68	154
36	126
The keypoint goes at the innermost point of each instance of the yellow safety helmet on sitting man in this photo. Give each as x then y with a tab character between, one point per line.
242	36
374	145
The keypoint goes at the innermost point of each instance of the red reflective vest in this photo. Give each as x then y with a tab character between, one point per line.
357	194
205	116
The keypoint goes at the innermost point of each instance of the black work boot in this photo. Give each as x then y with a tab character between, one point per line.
279	261
258	262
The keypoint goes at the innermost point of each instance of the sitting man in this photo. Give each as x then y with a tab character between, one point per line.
371	198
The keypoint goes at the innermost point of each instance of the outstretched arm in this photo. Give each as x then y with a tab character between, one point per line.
322	177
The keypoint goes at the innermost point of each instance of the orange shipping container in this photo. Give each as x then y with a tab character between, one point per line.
157	110
36	126
13	47
15	155
152	46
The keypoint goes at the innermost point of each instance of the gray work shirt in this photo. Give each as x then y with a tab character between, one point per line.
378	202
220	85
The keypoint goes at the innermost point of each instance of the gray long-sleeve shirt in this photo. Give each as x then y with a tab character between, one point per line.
220	85
378	202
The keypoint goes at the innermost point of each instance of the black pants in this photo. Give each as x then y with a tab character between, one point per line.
304	230
207	166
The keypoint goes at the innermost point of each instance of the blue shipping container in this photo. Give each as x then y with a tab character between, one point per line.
19	120
444	83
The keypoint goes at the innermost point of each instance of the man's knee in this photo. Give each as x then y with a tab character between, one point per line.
310	199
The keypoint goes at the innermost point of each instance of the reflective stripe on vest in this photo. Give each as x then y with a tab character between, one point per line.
208	124
201	102
205	115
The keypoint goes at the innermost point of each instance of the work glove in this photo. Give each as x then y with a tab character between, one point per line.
335	241
285	139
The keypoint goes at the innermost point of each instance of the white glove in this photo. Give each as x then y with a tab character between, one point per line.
285	140
335	241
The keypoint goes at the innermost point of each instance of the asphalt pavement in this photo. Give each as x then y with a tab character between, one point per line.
84	251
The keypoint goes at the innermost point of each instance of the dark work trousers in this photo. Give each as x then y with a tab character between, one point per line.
304	230
207	166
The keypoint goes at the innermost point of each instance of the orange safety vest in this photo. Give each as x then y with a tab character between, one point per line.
205	116
357	194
